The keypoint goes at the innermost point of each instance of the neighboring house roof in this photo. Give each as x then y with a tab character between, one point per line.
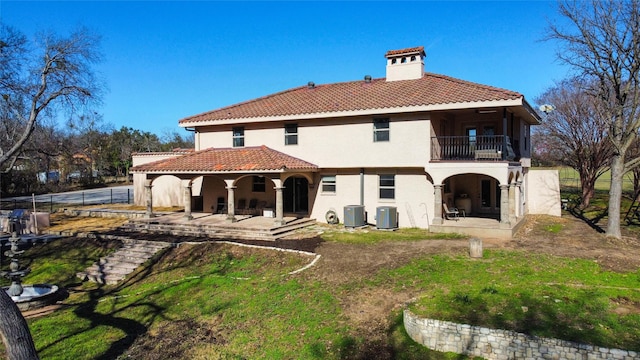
352	97
167	153
212	160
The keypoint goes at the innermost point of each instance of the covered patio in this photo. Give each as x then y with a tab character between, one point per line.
230	167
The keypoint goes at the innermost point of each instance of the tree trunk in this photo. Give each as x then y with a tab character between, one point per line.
15	331
615	196
588	185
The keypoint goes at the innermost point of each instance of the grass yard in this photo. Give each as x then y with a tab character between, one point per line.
221	301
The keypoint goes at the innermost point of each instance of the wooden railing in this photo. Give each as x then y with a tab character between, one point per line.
482	147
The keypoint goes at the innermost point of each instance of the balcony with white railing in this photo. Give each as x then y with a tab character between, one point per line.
472	148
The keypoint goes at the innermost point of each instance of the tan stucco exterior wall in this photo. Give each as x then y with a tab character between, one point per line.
543	192
339	143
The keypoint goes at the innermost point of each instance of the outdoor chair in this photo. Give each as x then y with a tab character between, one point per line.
221	207
242	207
453	213
253	206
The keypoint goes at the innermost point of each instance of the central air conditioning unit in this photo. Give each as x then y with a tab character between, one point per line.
386	217
354	216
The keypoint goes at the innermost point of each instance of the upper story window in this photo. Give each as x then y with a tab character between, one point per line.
259	184
329	184
291	134
380	130
238	137
387	186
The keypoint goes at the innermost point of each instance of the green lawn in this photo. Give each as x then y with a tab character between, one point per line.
218	301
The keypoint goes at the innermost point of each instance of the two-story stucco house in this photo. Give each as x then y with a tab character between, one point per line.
411	142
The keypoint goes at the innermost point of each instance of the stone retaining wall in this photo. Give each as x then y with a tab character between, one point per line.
501	344
108	213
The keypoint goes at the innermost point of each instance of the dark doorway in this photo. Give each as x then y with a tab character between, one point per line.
296	195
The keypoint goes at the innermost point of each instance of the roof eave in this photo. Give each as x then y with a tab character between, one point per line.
219	172
366	112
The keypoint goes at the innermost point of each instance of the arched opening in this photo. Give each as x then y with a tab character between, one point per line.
295	195
477	194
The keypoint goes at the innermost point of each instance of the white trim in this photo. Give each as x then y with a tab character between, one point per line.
367	112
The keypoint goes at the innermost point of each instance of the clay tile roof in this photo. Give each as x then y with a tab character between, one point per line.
413	50
258	158
431	89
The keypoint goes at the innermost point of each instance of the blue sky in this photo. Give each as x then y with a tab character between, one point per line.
164	61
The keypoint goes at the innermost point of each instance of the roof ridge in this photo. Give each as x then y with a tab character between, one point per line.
358	95
242	103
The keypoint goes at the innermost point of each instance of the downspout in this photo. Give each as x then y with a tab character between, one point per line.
362	186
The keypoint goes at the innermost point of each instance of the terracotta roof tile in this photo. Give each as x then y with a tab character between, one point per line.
418	49
258	158
431	89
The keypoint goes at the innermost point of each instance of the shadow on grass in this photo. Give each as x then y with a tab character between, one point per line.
131	328
592	222
396	344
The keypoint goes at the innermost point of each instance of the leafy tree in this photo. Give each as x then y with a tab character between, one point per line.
126	141
602	44
575	133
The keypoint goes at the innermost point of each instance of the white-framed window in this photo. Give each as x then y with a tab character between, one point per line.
387	186
380	129
328	184
291	134
238	136
259	184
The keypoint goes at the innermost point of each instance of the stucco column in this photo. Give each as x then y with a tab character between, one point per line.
187	201
512	203
520	198
504	207
148	198
279	206
437	204
231	209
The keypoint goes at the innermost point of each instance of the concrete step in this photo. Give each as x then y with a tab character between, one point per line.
229	231
115	267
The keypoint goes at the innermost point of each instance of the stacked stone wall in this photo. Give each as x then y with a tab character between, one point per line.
495	344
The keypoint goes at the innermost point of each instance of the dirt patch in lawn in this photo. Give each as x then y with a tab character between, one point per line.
368	310
343	267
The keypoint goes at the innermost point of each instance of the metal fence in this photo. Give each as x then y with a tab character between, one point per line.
51	202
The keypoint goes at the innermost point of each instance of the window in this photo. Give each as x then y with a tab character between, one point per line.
329	184
258	184
238	137
291	134
387	186
380	130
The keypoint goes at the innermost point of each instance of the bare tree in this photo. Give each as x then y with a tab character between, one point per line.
34	82
603	44
575	133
